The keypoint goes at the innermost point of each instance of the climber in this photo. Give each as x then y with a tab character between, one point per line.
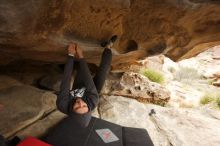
79	101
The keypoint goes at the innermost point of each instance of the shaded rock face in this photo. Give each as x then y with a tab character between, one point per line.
21	105
35	73
40	30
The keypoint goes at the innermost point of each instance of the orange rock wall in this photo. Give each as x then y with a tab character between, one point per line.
41	30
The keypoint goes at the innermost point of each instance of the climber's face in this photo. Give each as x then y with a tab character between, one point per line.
80	106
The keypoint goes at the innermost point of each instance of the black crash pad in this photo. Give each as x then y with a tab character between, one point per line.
67	133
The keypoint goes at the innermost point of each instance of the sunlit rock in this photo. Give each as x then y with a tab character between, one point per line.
166	126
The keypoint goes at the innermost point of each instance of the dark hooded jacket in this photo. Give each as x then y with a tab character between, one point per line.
83	79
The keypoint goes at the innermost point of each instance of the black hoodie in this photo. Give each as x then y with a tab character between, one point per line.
84	79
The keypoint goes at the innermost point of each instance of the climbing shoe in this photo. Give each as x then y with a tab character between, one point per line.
109	43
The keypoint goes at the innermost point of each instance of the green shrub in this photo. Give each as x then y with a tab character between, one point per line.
210	81
218	102
207	99
211	97
154	76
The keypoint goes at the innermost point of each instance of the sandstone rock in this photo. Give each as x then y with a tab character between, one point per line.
154	62
199	49
204	63
166	126
139	87
23	105
135	65
129	112
128	61
169	68
216	83
6	82
51	82
190	79
41	127
185	95
41	30
216	79
158	62
31	72
187	80
216	53
188	127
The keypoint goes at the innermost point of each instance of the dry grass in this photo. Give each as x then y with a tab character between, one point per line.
211	97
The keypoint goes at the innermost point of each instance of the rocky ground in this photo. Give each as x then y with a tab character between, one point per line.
171	111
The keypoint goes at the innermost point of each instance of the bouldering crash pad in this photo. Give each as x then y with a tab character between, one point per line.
98	133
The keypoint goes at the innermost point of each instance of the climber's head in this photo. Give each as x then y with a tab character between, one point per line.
80	107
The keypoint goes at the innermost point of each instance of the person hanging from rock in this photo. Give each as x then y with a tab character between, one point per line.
79	101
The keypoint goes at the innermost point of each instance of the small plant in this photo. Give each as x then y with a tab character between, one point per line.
187	73
211	97
207	99
154	76
210	81
218	102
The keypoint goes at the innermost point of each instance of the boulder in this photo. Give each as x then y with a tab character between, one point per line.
166	126
216	79
6	82
190	79
51	82
154	62
139	87
22	105
42	126
204	62
216	83
33	72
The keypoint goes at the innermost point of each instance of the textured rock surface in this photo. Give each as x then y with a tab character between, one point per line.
216	79
207	63
51	82
40	30
168	126
32	73
7	82
187	80
139	87
21	105
40	127
155	62
190	79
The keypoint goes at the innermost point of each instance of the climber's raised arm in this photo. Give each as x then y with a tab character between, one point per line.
63	100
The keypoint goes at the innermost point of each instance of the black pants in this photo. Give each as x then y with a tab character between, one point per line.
104	67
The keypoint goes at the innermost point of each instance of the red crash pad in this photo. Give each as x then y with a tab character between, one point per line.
30	141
